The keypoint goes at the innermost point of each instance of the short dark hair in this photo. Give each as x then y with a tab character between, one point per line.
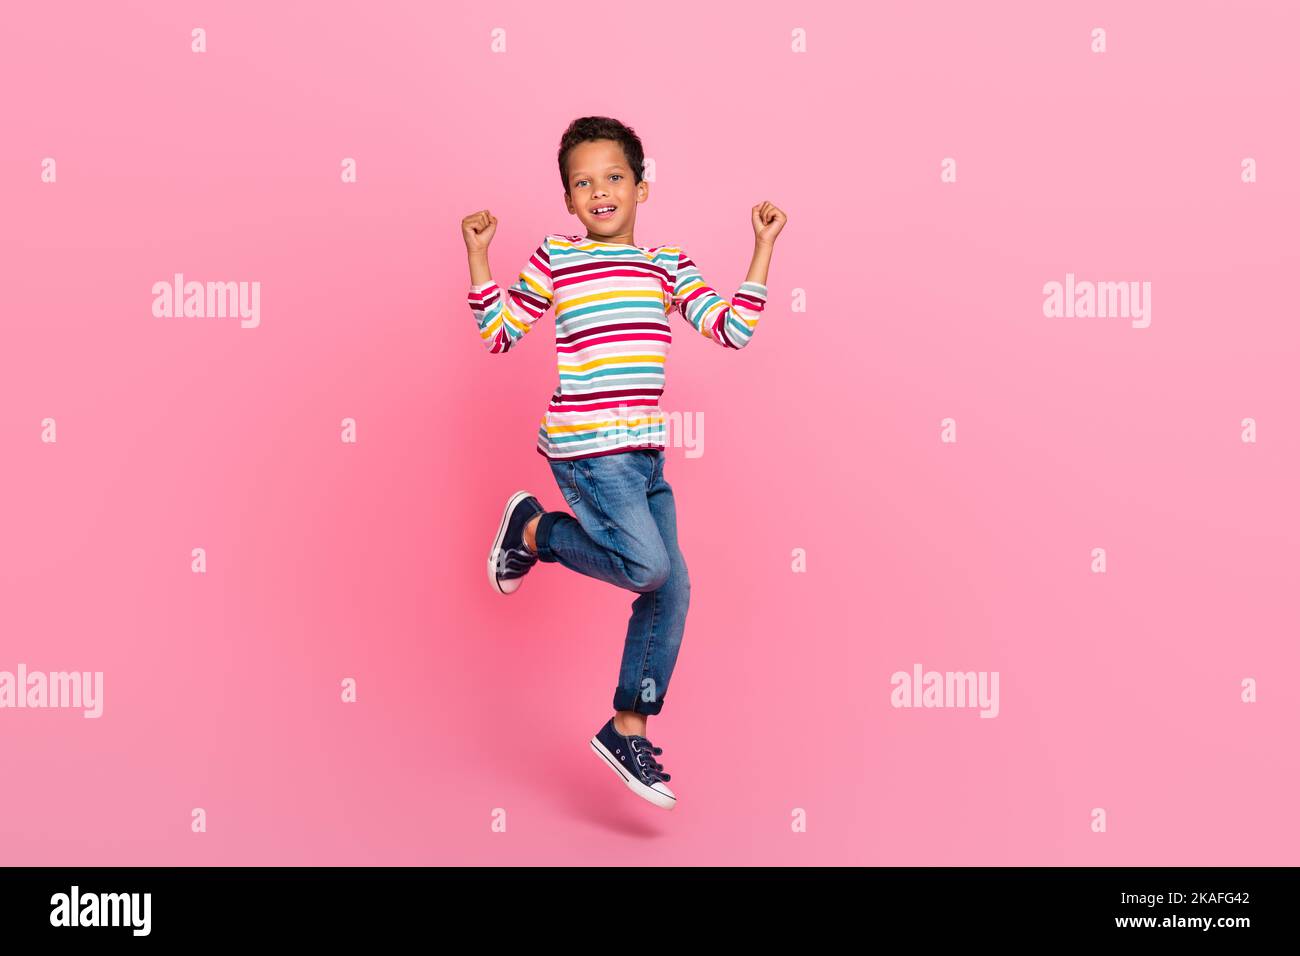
586	128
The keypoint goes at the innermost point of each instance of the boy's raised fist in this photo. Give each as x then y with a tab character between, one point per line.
478	228
768	221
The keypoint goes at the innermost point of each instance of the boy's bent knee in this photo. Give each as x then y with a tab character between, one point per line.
648	574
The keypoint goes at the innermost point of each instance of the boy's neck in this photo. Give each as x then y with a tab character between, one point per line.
617	240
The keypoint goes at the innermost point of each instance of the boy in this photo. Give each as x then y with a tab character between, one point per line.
603	432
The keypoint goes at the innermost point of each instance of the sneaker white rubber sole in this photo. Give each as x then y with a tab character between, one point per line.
660	798
510	585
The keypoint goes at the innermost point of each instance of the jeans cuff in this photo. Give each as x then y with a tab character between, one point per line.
542	535
625	699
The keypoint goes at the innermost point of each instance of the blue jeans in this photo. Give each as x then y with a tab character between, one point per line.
624	530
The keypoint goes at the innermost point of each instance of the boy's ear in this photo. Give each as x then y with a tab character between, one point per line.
568	204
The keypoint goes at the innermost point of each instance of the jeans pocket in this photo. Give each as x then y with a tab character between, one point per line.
569	486
656	468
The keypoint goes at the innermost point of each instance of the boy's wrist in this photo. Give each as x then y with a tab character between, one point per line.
480	271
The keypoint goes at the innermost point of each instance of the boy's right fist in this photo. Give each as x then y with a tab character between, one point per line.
478	228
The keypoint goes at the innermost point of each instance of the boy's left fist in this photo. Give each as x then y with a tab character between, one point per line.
768	221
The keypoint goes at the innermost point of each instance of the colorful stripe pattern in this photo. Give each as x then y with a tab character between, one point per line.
612	335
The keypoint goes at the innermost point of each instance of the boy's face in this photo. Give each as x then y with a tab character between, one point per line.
599	175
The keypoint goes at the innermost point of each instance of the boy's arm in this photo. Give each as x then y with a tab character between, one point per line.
505	316
729	324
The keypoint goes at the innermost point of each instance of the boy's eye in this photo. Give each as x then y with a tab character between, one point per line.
617	176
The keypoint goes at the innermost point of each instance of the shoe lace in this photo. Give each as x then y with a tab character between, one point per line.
518	559
645	759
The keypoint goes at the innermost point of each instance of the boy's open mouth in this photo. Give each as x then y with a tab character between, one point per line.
602	212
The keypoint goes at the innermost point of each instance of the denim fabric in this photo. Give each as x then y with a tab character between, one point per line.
623	530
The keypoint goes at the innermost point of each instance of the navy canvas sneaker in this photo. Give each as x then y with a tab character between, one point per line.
509	560
633	759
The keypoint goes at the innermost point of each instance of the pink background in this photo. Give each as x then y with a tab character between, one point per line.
328	560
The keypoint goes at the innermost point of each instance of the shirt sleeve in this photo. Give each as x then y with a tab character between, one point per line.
505	318
729	324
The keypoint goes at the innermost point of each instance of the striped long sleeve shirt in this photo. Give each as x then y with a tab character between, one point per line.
612	334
